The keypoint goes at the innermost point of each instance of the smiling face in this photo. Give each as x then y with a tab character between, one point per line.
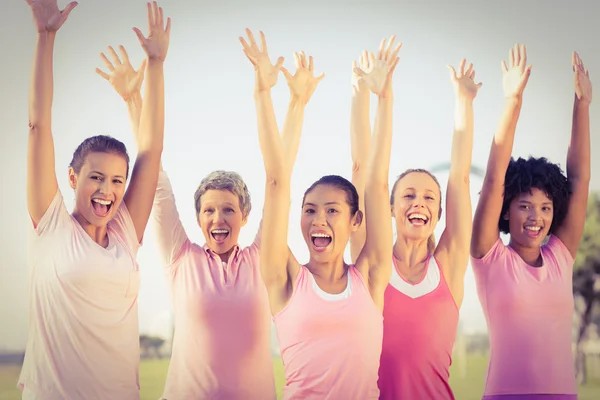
529	218
327	222
416	205
220	219
99	187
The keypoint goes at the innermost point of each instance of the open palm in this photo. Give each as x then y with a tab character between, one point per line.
366	62
516	75
583	85
379	78
267	74
124	79
463	81
47	16
156	45
303	83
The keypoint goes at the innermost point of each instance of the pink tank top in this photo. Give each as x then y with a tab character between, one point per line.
330	349
529	313
418	336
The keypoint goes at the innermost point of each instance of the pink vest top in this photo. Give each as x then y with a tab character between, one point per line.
330	349
418	336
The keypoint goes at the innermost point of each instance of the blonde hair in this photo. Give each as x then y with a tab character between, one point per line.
431	239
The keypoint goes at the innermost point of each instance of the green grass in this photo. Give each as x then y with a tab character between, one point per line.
153	374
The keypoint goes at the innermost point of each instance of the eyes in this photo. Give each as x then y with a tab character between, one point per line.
312	211
527	207
100	179
412	196
227	210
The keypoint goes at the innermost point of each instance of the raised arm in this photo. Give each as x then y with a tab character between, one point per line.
485	223
360	143
578	160
275	265
453	247
142	187
375	259
41	174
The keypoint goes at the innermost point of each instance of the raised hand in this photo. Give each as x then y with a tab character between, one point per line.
123	78
583	85
46	15
379	79
266	73
516	75
156	44
303	83
366	62
463	81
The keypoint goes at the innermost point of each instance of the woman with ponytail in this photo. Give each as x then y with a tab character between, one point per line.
423	297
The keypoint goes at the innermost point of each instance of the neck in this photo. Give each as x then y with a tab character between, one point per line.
330	271
225	256
410	252
531	255
97	233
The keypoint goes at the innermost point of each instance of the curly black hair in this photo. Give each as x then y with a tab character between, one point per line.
522	175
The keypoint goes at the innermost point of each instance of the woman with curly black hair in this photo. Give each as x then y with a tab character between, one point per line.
525	288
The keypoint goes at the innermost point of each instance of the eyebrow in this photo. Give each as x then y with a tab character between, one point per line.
413	189
100	173
326	204
529	202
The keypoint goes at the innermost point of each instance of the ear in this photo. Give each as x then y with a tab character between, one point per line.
506	216
392	211
357	220
72	178
244	220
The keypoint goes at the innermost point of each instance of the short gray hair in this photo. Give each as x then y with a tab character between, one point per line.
224	180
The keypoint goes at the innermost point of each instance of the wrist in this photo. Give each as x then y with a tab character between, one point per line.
134	99
513	101
581	104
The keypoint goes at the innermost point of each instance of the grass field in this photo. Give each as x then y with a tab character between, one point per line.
153	372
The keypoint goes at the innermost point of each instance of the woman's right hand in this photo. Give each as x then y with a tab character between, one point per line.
46	15
267	74
126	81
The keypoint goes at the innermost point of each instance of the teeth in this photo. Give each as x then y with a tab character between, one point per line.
416	215
533	228
104	202
320	235
220	231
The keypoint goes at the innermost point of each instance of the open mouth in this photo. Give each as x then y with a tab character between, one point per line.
101	207
417	219
533	231
219	235
320	241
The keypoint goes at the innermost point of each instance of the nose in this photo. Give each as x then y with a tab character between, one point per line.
218	216
319	219
104	186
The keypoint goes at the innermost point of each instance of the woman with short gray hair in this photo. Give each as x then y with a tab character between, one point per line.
221	346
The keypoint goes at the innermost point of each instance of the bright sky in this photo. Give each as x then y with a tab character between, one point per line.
210	120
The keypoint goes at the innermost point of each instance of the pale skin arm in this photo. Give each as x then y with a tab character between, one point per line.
139	197
360	142
578	160
453	248
375	259
42	184
485	222
276	265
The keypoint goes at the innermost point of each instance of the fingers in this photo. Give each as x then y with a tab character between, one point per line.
359	72
381	47
168	27
503	66
388	50
371	59
244	44
103	74
517	54
364	60
246	52
107	62
142	69
525	78
320	77
67	10
114	55
461	67
396	51
279	62
150	15
393	66
523	59
311	66
286	73
263	43
160	18
124	54
139	35
251	38
29	2
452	72
511	57
469	70
298	61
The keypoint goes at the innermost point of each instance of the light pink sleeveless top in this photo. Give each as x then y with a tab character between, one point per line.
330	349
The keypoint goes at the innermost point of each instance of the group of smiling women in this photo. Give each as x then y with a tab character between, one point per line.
380	327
